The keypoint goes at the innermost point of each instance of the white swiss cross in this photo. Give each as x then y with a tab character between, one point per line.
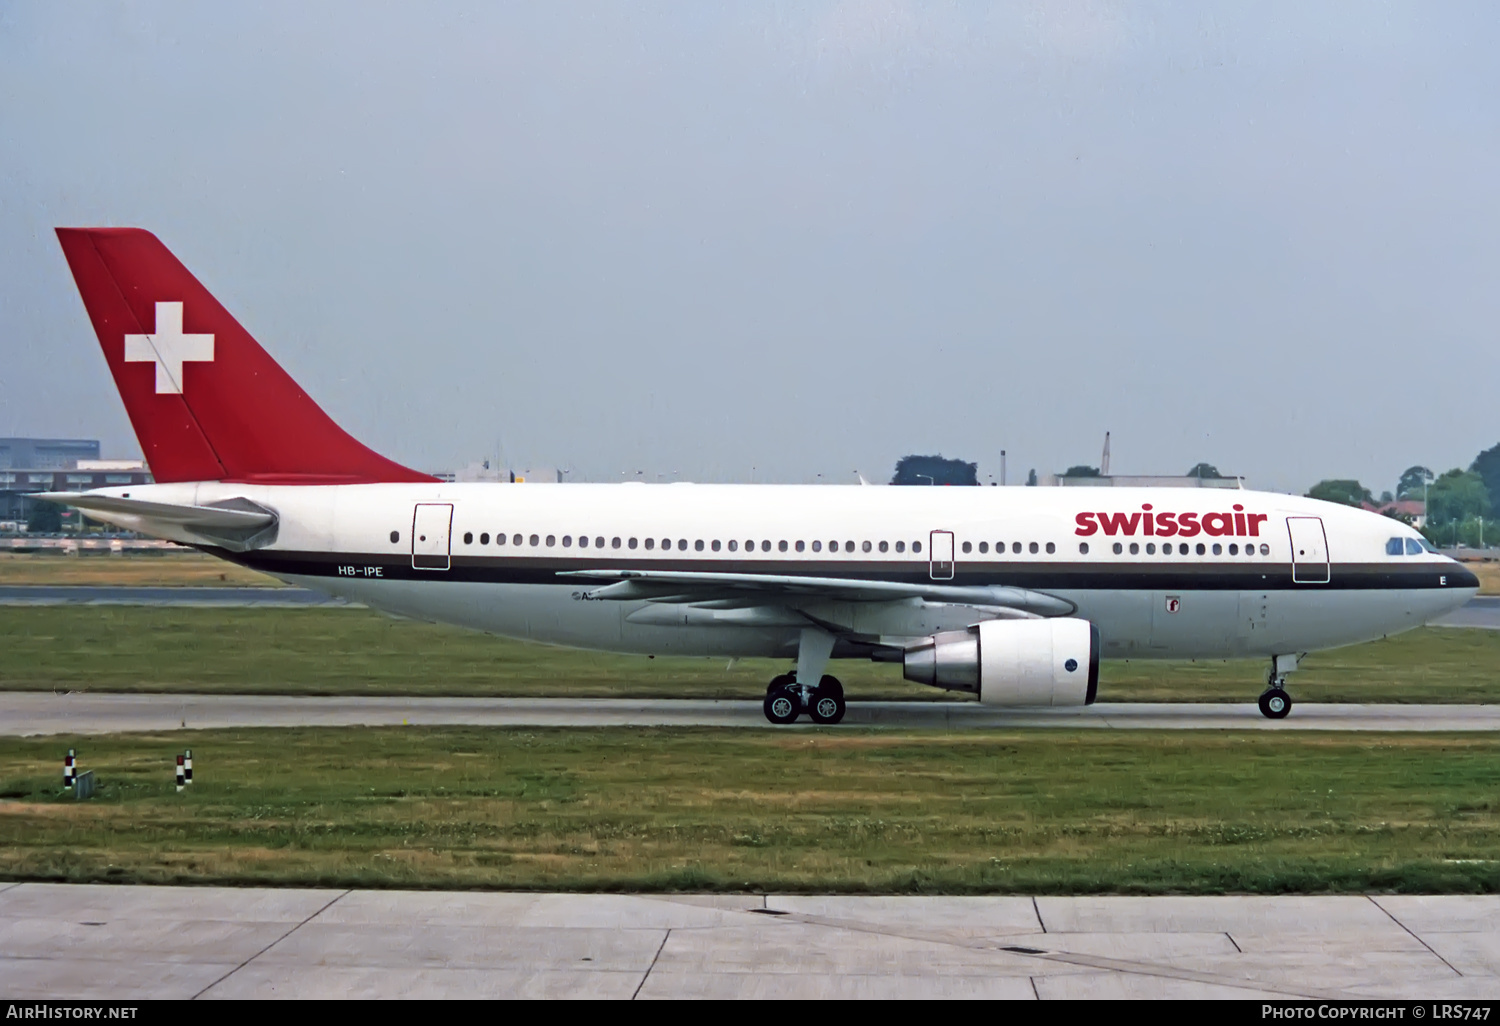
168	348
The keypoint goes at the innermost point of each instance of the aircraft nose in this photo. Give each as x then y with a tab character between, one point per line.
1460	576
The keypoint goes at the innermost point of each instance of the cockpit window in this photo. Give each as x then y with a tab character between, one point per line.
1416	545
1393	547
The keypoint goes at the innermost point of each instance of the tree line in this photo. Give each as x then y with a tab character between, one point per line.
1459	502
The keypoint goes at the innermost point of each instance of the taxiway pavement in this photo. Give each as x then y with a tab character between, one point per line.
224	598
1480	611
26	713
127	943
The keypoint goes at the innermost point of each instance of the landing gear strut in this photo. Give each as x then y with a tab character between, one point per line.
790	694
1274	702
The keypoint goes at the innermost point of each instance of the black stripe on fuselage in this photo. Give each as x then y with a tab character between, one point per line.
1039	576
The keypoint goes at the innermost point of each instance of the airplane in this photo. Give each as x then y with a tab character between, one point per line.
1013	595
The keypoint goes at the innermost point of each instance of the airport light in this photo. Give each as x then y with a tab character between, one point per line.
928	476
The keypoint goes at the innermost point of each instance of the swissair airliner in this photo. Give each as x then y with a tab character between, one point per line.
1011	594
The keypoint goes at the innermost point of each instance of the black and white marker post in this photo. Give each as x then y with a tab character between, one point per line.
179	773
187	765
69	768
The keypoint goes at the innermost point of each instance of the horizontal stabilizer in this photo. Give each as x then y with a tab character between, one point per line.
235	524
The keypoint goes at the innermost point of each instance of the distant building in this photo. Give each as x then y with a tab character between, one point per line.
1410	511
1140	481
46	453
483	471
30	465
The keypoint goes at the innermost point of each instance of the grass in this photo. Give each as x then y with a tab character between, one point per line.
843	810
172	569
337	651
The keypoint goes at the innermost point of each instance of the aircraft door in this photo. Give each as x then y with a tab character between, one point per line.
940	555
1309	550
431	530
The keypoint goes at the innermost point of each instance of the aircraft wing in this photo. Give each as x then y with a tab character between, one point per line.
236	524
779	589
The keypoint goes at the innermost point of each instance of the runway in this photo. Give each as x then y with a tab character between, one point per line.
142	943
24	713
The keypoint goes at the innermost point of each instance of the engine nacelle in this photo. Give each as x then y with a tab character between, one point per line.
1013	662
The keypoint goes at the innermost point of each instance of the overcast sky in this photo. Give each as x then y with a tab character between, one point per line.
696	239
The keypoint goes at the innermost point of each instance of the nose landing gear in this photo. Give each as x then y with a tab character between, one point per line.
1274	702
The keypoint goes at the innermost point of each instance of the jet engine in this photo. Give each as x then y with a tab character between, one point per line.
1012	662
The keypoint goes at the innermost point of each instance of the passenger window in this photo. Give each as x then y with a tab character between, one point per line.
698	545
1151	548
833	546
583	541
1118	548
916	546
1033	548
1234	550
765	545
1015	547
395	536
567	541
499	539
650	544
817	546
967	547
1218	549
484	539
614	543
517	540
1083	548
1052	547
1201	549
781	545
901	546
885	546
682	545
801	546
551	540
848	546
734	546
1265	550
468	537
599	543
1135	549
632	543
984	547
715	545
535	541
865	546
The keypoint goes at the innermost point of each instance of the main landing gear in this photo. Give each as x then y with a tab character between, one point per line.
1274	702
789	695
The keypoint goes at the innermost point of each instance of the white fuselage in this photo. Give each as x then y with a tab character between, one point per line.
1163	573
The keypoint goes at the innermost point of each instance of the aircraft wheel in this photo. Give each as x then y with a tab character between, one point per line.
1275	704
831	685
779	682
827	706
782	706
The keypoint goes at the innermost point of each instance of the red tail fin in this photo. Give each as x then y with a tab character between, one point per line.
206	401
